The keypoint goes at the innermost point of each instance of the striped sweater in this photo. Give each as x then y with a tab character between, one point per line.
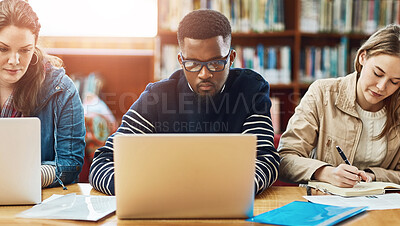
170	106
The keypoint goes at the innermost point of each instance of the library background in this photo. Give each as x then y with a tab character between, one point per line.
290	42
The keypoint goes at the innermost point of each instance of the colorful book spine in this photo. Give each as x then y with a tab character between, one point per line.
169	61
324	62
245	15
347	16
276	114
273	63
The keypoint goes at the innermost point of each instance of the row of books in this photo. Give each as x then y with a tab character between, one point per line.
348	16
273	62
323	62
168	61
244	15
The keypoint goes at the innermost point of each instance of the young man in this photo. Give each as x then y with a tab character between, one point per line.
205	96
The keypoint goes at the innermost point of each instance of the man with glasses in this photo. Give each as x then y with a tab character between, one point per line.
205	96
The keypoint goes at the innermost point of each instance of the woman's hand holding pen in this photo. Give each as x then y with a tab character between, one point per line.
343	175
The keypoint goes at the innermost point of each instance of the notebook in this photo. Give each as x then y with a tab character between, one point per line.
307	213
360	189
184	175
20	161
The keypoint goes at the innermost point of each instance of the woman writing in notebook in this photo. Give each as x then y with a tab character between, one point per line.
33	84
359	113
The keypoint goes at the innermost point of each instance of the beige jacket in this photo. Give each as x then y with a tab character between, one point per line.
326	117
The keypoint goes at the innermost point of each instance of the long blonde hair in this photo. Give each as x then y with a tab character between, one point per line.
20	14
384	41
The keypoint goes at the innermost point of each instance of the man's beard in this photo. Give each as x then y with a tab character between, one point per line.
209	99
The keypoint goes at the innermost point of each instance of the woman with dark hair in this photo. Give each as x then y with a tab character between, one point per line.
359	113
33	84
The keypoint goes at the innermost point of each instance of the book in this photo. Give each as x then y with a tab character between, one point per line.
360	189
276	114
307	213
309	19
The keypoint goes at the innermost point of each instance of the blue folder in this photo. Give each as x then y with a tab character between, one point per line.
307	213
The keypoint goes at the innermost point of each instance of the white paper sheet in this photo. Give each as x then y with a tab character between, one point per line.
72	207
374	202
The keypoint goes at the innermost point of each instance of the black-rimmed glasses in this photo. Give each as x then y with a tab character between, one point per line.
212	65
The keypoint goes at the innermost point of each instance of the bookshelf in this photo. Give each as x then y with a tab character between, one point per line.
335	36
125	64
124	73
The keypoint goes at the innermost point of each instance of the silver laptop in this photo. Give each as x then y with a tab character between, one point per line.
184	175
20	154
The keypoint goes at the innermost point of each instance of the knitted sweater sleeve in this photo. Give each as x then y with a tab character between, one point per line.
101	175
267	160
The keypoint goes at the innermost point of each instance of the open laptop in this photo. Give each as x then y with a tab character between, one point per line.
184	175
20	154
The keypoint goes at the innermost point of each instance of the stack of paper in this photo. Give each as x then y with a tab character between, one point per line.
72	207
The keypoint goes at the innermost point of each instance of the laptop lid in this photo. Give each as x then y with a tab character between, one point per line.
184	175
20	161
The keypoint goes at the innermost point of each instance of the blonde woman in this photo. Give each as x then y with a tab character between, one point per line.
358	113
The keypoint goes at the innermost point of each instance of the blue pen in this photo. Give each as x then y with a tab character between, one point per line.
341	153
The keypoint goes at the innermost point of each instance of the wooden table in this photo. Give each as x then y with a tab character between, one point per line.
272	198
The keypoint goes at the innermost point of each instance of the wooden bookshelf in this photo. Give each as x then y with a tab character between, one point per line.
124	73
125	65
292	36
